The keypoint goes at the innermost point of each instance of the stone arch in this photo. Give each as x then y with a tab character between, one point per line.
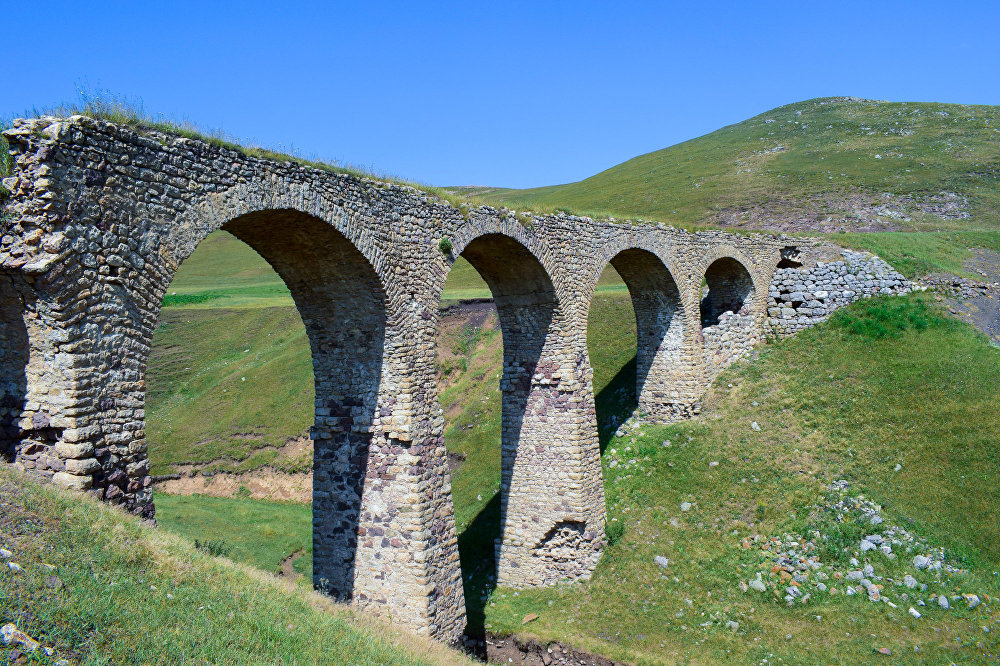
730	289
551	497
329	266
660	329
730	306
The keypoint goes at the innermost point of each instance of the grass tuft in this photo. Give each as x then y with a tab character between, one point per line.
881	318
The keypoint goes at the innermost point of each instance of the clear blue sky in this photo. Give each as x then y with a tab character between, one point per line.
509	94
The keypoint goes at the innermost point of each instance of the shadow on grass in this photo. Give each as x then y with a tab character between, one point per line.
477	543
477	551
616	402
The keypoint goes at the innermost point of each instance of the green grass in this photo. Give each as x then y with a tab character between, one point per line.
838	401
914	253
884	382
131	594
227	384
256	532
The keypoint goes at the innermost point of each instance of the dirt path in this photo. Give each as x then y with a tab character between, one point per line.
259	484
287	568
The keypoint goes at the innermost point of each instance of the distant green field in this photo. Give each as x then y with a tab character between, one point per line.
257	532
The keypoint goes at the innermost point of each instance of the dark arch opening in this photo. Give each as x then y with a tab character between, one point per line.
14	347
525	302
312	374
728	288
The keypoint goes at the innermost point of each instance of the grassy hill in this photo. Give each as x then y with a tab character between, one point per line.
794	166
927	172
98	587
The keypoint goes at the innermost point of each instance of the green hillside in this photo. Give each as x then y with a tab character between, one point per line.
97	587
830	164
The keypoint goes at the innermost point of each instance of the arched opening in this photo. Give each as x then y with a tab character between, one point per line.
611	349
728	290
727	325
263	383
646	301
486	380
14	352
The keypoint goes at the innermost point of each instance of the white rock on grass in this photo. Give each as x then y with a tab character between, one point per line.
6	554
11	635
685	506
943	602
758	585
914	612
661	561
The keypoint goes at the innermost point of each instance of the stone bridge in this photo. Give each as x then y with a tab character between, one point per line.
100	216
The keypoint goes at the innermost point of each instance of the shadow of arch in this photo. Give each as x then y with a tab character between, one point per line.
526	302
342	304
15	349
730	289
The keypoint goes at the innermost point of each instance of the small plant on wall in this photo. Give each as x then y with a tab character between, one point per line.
445	246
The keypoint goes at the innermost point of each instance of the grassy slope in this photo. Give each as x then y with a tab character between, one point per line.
131	594
224	383
829	145
832	404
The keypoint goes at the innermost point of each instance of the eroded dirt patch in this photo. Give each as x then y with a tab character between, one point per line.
976	300
259	484
830	212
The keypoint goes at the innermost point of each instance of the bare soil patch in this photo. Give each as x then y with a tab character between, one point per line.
830	212
260	484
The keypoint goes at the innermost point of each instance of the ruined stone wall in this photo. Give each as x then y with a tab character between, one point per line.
102	217
801	297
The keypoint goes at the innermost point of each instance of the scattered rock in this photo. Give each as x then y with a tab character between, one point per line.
11	635
661	561
915	613
530	617
685	506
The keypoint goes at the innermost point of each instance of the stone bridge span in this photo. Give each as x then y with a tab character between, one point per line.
100	216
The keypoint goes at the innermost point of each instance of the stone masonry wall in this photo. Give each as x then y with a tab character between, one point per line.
803	297
102	215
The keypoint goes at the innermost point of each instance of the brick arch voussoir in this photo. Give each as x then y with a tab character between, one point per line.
212	211
634	241
477	228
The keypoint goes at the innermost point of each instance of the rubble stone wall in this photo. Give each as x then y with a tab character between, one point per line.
101	216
